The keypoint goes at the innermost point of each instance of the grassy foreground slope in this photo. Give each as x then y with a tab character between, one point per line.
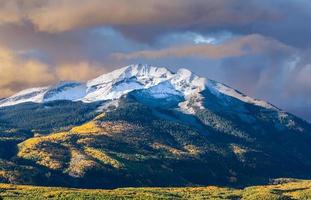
290	190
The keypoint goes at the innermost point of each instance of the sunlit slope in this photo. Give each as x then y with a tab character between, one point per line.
107	153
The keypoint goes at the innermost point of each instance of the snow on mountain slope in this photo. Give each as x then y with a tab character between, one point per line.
66	91
122	81
218	88
62	91
163	90
160	81
28	95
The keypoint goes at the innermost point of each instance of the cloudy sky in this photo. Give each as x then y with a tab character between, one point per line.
260	47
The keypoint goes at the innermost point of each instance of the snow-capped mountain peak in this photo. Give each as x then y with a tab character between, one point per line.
113	85
140	71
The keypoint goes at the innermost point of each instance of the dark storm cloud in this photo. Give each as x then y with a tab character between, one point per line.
63	15
144	20
285	20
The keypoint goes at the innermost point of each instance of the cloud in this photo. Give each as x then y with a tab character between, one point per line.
78	71
297	87
145	20
9	12
237	47
64	15
18	73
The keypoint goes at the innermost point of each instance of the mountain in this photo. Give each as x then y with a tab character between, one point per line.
147	126
159	81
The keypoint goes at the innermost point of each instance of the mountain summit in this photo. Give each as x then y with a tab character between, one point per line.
147	126
158	80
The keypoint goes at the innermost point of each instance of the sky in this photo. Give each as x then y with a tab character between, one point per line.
260	47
